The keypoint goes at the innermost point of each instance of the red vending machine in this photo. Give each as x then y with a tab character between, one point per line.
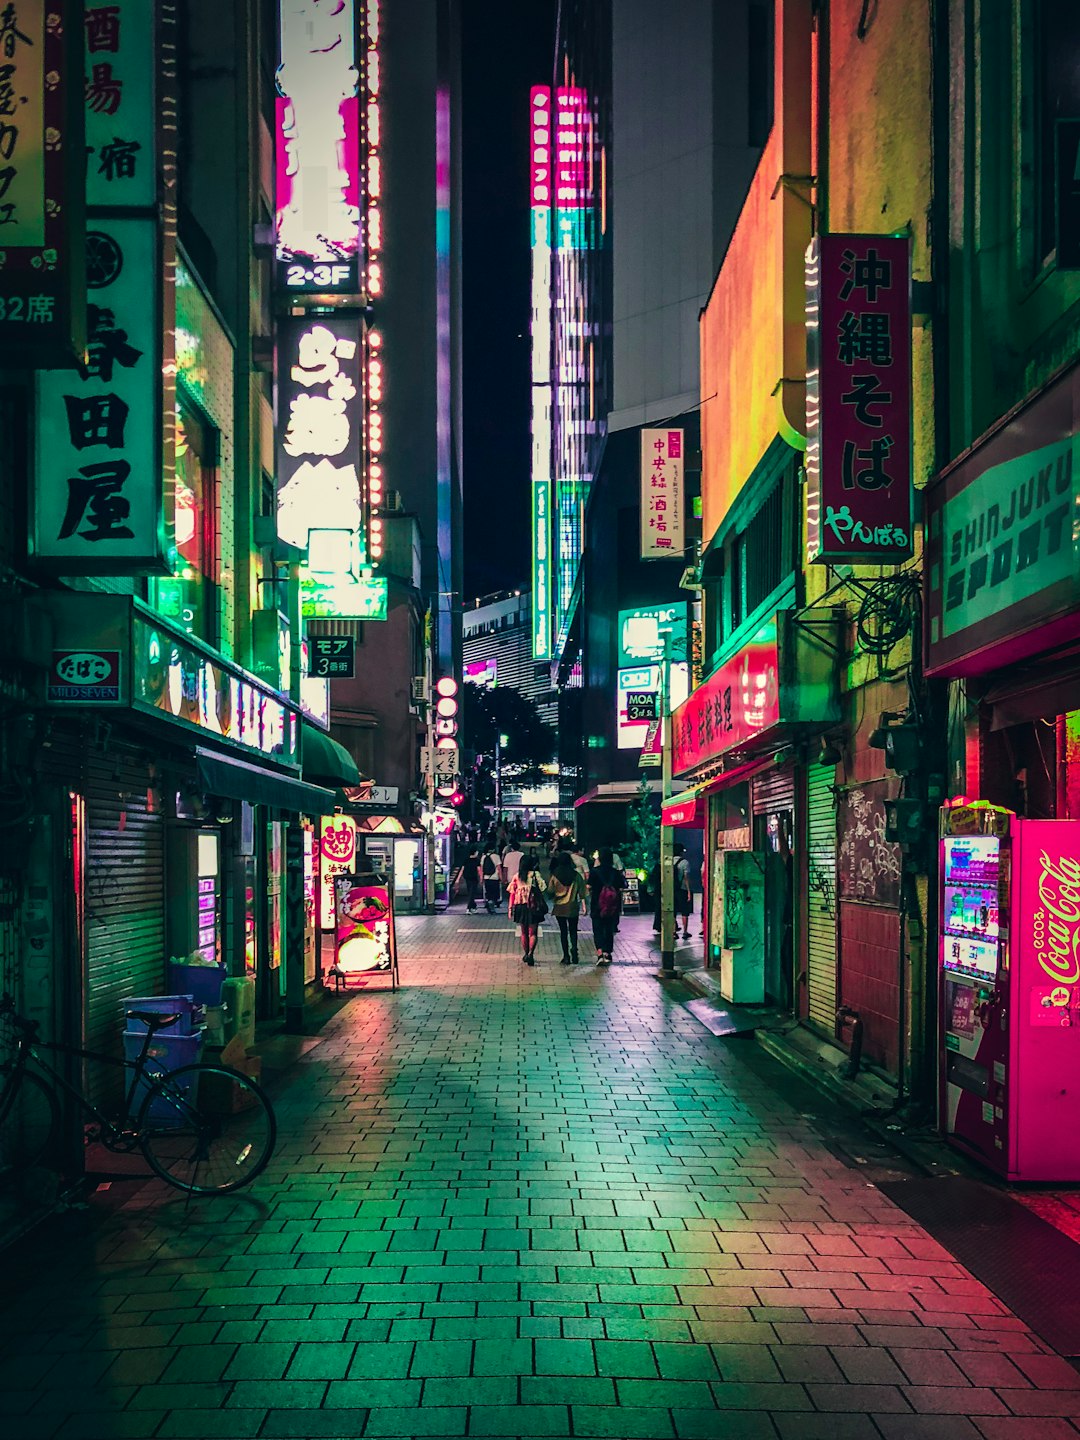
1010	991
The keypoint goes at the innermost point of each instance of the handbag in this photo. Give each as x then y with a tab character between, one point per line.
521	914
538	906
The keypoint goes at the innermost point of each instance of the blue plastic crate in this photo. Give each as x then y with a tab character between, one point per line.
202	981
186	1006
166	1053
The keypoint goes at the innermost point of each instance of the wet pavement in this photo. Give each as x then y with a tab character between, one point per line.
520	1203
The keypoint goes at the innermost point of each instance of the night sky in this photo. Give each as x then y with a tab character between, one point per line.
505	50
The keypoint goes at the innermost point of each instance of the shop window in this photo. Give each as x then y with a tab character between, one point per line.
189	596
1055	78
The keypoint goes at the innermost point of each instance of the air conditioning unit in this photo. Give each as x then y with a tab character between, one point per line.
419	690
392	502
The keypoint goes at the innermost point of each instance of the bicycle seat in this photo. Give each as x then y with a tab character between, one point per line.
152	1020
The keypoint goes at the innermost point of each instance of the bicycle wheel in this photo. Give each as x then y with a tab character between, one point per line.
29	1119
207	1129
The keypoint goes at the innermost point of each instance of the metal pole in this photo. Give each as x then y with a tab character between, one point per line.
498	778
428	868
667	873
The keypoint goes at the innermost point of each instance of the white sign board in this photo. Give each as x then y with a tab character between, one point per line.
663	514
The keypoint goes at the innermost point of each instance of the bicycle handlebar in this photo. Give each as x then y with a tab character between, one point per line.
29	1028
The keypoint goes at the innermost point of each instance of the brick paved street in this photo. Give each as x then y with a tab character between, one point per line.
513	1202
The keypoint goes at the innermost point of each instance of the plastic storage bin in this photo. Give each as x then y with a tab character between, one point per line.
167	1052
202	981
183	1005
239	995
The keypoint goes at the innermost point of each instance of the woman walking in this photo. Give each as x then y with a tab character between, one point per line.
606	884
567	891
527	906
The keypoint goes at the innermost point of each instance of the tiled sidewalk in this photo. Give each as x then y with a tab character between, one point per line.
514	1202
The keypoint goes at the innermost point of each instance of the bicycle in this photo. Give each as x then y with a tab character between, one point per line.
205	1129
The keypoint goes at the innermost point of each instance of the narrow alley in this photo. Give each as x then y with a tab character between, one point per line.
512	1202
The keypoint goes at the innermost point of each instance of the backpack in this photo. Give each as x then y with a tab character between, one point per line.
489	868
538	906
607	904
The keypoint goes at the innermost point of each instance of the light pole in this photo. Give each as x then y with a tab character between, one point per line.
667	873
501	739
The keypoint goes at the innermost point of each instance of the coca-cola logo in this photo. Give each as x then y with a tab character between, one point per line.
1056	927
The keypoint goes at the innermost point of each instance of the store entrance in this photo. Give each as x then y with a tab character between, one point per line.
773	840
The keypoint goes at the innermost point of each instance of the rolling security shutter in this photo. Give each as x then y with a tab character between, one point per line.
125	898
774	790
821	895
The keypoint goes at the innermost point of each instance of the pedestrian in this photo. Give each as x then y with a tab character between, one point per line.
606	884
512	857
655	888
567	890
684	900
470	870
490	871
527	907
577	854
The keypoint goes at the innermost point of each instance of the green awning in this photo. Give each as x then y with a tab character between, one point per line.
323	761
237	780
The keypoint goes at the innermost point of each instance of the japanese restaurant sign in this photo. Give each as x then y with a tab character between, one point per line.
318	148
41	183
99	493
337	856
121	117
320	428
858	399
734	706
663	516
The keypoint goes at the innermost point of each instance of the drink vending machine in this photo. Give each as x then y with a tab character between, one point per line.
1010	990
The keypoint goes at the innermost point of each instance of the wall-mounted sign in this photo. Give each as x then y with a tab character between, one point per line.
320	428
540	200
318	148
84	676
639	691
99	496
333	657
574	169
858	399
736	704
644	633
663	513
41	184
342	597
121	116
1003	552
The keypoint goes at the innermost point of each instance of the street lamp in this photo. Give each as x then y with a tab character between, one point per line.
501	739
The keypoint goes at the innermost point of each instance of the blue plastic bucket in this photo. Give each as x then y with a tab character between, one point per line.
166	1052
185	1006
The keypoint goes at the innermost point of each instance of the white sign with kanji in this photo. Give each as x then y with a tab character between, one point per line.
663	515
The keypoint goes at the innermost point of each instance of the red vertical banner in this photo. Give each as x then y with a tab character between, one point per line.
858	399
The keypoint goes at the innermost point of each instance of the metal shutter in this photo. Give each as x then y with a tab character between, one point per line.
125	897
821	895
774	790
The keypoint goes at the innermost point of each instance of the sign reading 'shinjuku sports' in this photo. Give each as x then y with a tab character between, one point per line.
858	399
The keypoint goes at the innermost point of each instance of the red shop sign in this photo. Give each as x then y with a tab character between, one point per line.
858	399
736	704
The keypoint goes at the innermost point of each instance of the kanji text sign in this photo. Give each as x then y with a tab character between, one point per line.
663	517
99	502
858	399
121	116
333	657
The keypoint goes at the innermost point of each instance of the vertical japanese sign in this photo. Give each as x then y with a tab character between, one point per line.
121	160
337	856
858	399
105	432
540	168
41	183
663	516
98	503
320	421
318	148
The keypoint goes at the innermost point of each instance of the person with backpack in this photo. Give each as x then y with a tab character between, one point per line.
491	874
567	891
684	899
527	906
606	884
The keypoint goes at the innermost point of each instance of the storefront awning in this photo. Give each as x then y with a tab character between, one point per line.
615	792
686	810
323	760
237	780
740	772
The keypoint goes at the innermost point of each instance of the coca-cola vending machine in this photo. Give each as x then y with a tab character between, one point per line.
1010	990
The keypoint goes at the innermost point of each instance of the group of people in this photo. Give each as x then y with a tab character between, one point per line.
571	893
571	889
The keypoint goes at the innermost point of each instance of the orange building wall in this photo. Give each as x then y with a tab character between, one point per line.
753	327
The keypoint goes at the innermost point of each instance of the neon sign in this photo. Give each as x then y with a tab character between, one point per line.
318	181
540	329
